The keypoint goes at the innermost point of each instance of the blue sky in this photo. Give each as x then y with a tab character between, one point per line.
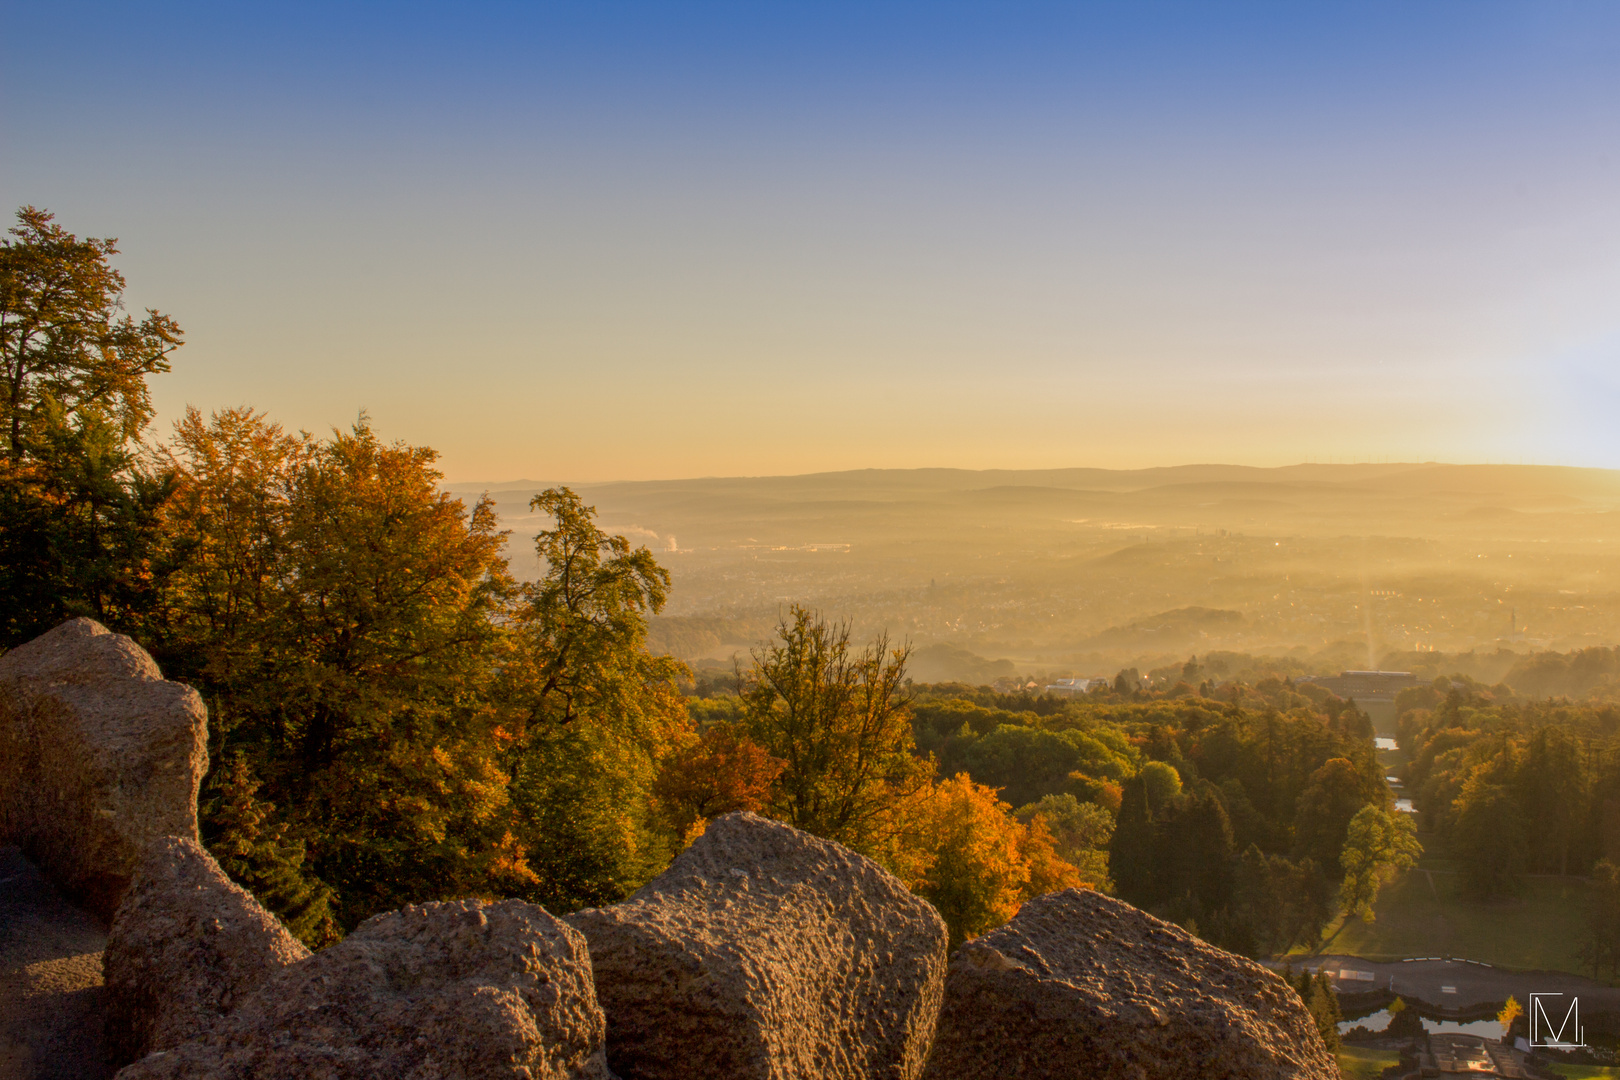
630	240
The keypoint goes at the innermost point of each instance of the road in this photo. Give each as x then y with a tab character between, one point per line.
1472	985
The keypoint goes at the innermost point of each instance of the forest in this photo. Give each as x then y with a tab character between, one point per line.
1516	786
395	716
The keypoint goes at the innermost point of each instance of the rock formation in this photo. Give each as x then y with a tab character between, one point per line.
1082	985
187	946
471	990
766	952
99	755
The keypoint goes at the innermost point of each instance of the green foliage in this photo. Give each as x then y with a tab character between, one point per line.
593	714
1276	904
1316	991
63	346
1492	774
1161	783
583	625
1334	796
1377	842
78	513
841	721
1601	947
254	849
1080	833
1028	762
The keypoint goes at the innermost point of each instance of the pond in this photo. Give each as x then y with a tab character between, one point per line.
1379	1020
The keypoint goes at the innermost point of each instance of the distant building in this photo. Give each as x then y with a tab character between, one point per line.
1074	687
1364	685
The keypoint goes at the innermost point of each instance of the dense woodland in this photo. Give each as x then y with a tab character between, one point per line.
393	717
1514	786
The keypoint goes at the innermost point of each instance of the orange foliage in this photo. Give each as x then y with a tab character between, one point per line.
985	862
722	771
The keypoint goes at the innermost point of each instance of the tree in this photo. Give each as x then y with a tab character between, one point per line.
1377	842
1552	784
1488	836
1326	806
1133	849
1162	784
1080	834
583	625
1601	947
77	513
591	712
61	338
1404	1021
78	527
254	848
1316	991
982	861
1276	904
227	530
1511	1011
1195	845
342	616
719	772
841	720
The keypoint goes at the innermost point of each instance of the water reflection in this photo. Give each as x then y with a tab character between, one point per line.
1385	744
1378	1021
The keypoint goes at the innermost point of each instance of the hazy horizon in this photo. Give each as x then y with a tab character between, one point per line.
1087	570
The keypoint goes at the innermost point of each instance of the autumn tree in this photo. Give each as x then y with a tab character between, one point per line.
840	719
341	615
982	861
1509	1014
77	511
718	772
62	340
1080	834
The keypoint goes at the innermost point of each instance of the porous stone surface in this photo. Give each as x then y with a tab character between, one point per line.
463	991
186	947
51	997
99	755
765	952
1081	985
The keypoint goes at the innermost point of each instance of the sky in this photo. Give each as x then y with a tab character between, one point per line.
651	240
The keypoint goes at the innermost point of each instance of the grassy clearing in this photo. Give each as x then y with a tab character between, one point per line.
1423	913
1360	1063
1573	1072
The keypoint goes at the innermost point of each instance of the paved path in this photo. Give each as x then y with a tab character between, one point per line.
50	980
1473	984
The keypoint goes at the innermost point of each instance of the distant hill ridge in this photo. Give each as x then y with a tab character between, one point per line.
1395	476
